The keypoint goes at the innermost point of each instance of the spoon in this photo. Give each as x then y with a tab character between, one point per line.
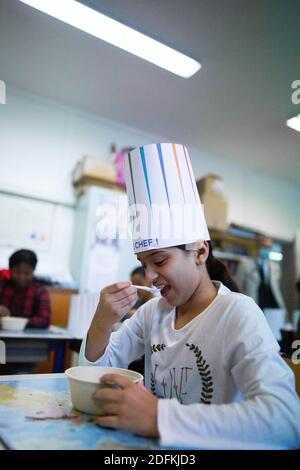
153	290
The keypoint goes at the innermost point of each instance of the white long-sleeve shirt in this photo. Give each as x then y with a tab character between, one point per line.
221	380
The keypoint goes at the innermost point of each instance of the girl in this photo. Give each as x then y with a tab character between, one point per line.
213	375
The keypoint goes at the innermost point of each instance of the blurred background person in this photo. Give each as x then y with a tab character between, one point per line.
21	295
260	277
137	278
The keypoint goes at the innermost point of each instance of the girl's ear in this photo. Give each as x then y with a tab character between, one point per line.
202	253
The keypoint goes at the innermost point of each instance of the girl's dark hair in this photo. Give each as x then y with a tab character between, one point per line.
23	256
217	270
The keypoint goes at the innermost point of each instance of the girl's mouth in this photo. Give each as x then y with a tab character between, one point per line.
164	292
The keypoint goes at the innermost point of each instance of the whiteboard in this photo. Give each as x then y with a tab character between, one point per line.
25	222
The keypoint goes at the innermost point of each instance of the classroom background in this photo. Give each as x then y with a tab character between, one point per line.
68	120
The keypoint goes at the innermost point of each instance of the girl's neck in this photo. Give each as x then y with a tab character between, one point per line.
197	303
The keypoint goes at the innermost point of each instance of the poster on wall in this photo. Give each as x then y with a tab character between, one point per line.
104	260
104	253
25	223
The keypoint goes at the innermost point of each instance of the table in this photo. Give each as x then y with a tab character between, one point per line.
36	414
33	345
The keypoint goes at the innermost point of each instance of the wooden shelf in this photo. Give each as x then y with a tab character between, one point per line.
224	255
225	242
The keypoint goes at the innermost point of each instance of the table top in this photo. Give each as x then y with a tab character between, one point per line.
53	332
36	413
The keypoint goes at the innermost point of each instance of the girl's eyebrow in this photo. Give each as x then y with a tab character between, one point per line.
158	252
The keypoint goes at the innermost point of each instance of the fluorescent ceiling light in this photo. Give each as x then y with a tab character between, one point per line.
109	30
294	123
2	92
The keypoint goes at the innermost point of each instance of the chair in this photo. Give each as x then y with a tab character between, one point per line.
296	369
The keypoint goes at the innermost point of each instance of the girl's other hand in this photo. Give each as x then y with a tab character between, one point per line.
130	406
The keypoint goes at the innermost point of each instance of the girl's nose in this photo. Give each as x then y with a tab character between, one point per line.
151	275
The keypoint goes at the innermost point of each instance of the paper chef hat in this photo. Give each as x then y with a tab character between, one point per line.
165	208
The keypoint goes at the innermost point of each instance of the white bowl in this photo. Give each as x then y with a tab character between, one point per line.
85	380
13	323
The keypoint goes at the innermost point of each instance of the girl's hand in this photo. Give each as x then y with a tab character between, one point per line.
130	407
115	302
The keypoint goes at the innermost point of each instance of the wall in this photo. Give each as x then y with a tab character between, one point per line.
256	200
41	140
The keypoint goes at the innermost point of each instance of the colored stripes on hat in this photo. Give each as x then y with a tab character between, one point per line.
163	171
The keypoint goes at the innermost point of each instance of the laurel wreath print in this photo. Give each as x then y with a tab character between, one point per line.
157	348
154	349
205	374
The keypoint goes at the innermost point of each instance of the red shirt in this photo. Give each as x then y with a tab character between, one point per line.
32	302
4	274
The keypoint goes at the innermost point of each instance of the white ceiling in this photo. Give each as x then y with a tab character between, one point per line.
234	107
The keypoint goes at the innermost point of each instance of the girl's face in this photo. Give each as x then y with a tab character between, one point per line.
175	272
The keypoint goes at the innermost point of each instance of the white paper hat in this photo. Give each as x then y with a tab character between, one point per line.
163	198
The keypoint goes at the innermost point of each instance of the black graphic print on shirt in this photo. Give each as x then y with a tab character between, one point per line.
173	386
205	374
